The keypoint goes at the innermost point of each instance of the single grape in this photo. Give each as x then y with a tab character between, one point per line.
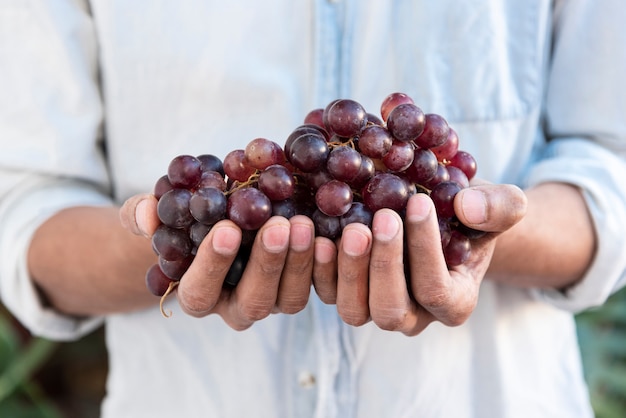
184	171
358	212
449	148
174	269
197	232
156	281
372	119
276	182
299	131
208	205
212	179
391	101
171	243
458	249
458	176
286	208
173	208
249	208
261	153
334	198
309	152
440	176
375	141
443	197
466	162
386	190
343	163
162	186
211	163
435	131
237	167
423	168
326	226
347	118
315	117
406	122
399	157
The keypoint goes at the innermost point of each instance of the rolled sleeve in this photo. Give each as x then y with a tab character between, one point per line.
586	132
21	212
52	156
600	175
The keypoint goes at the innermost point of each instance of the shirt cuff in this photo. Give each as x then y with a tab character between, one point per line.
21	212
599	174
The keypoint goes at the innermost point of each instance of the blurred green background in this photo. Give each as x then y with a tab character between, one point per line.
44	379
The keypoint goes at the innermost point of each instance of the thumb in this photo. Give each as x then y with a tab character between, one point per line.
138	214
490	207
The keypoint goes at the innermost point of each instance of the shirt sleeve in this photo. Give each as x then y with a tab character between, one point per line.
586	131
52	155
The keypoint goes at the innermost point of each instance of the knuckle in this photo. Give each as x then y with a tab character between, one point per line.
434	299
292	305
255	311
353	317
390	319
194	305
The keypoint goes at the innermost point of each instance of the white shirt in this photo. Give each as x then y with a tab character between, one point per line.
152	80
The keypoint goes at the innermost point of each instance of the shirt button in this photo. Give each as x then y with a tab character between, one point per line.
306	380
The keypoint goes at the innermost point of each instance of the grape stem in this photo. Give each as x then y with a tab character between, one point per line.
253	179
169	290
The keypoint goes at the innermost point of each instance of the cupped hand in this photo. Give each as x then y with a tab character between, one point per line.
372	284
277	277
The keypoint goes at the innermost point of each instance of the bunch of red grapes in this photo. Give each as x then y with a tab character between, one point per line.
340	166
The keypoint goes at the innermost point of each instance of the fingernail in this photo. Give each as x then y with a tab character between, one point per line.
141	217
301	236
226	240
354	242
385	226
276	238
474	206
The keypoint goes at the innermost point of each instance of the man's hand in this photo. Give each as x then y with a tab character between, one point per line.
371	284
277	277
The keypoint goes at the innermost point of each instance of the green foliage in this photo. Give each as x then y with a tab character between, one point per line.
602	336
20	357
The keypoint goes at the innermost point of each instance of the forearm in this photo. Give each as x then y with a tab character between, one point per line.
552	246
85	263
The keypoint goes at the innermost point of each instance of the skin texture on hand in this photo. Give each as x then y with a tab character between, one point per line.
371	282
277	277
101	267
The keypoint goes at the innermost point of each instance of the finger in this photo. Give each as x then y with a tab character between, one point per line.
391	307
325	270
295	283
352	274
138	214
201	286
257	291
450	298
489	207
